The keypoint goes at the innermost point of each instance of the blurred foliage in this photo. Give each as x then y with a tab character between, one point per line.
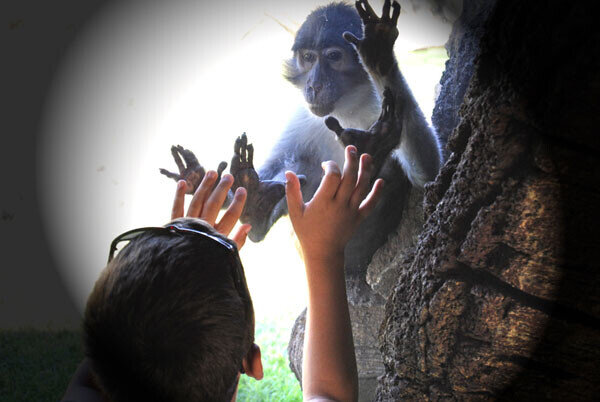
279	383
432	56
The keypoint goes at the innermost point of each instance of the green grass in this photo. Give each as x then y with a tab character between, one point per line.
279	383
37	365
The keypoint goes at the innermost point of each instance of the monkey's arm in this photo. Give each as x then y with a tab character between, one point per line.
419	151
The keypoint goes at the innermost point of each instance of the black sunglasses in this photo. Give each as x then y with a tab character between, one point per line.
134	233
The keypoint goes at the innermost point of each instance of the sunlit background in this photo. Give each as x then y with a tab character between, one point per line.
146	75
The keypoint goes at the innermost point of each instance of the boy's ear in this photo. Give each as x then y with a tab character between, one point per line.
253	363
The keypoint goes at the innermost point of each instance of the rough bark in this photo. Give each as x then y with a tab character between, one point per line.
500	300
462	48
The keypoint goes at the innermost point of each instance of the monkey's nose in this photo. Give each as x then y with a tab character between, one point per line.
317	88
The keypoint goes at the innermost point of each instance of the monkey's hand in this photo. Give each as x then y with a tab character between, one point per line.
376	48
381	138
263	195
192	172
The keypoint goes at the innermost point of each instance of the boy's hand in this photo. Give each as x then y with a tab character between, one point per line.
323	226
207	202
326	223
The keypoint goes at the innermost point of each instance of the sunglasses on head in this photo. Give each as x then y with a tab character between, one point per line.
238	273
134	233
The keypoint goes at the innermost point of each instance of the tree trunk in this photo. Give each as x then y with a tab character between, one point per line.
500	300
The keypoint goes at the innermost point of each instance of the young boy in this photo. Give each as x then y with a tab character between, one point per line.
171	318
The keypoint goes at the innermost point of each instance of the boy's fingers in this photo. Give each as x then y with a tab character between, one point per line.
178	202
365	172
233	213
201	194
215	200
293	195
330	182
372	199
350	174
241	234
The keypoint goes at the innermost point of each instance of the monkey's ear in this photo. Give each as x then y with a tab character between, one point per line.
334	125
220	170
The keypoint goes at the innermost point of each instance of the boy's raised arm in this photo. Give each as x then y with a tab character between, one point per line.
324	225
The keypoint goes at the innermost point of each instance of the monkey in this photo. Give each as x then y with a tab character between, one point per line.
343	80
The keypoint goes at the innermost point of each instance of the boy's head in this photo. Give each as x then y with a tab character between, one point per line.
171	318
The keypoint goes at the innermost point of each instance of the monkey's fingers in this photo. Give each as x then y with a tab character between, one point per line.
358	138
385	13
244	148
189	157
237	146
350	38
221	169
170	175
364	15
395	12
178	161
365	10
250	155
238	151
235	164
334	125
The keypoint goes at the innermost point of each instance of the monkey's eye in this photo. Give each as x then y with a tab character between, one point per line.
308	57
334	55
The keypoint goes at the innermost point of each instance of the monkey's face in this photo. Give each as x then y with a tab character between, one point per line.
325	76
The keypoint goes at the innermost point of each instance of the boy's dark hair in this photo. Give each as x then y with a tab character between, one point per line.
169	319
